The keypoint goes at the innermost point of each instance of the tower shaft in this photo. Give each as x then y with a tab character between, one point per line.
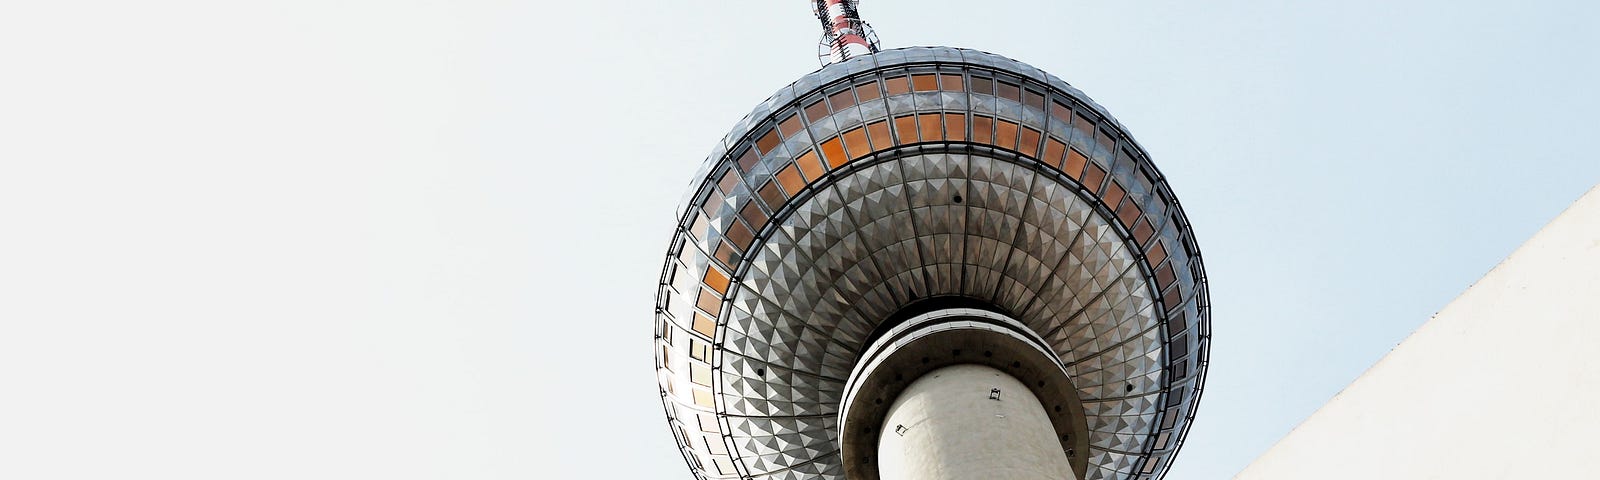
969	421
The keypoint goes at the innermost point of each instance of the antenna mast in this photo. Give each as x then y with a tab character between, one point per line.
844	35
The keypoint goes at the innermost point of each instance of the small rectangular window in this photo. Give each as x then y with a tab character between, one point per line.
1030	142
810	165
955	126
1075	163
789	177
710	302
740	235
1053	152
700	373
833	152
716	280
1009	91
866	92
982	129
897	85
816	111
767	143
753	215
699	350
1005	135
703	398
772	196
982	85
906	129
705	325
790	126
878	132
1093	177
924	83
729	181
950	82
855	143
842	100
929	126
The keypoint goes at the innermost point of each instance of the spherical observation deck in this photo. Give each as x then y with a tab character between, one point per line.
873	194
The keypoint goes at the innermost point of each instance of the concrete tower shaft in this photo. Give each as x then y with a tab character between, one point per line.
969	421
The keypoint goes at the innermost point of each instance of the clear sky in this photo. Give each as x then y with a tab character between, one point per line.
416	239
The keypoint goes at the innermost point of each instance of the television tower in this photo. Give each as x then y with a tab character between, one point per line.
929	263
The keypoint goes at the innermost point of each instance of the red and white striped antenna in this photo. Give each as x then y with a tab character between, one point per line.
844	35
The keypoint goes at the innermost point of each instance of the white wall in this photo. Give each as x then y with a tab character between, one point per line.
1502	383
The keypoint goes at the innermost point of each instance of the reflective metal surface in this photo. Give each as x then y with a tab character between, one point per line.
904	175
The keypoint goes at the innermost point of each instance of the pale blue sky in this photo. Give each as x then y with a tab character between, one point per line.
415	240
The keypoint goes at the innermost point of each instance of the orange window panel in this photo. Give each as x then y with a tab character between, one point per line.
878	132
897	85
906	128
790	126
1030	142
1005	135
790	179
833	151
747	160
730	179
740	235
716	280
772	196
713	202
1128	212
1164	277
983	129
982	85
1114	194
842	100
1142	232
1105	141
955	126
705	325
698	228
1093	177
868	91
1075	163
1158	253
1172	299
951	82
809	165
855	143
753	215
816	111
710	302
725	254
925	83
767	142
1061	112
929	126
1053	151
1084	126
1033	99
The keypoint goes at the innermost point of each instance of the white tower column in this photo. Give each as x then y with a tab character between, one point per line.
951	424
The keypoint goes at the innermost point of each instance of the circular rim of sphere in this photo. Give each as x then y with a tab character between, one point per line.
1053	129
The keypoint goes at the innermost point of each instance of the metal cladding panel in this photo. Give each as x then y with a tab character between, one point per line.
905	175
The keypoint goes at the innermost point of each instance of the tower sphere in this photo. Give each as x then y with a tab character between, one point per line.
915	208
